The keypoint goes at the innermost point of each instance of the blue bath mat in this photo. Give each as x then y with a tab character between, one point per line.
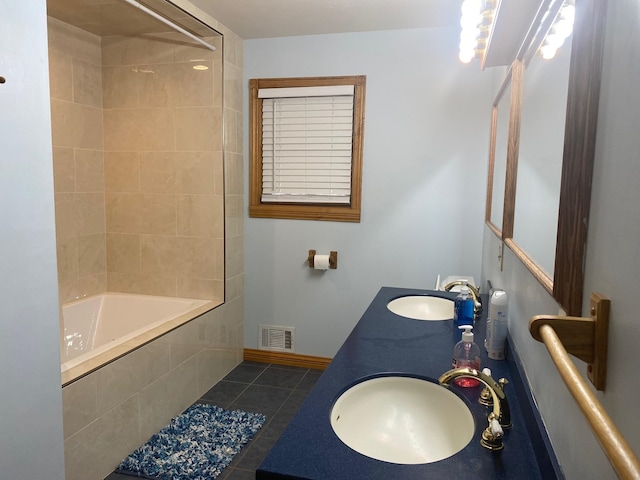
196	445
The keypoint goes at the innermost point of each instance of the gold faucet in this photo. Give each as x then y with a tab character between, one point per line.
475	294
501	415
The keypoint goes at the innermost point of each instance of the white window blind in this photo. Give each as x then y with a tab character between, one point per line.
307	144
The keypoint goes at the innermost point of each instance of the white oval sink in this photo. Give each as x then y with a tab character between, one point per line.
402	420
422	307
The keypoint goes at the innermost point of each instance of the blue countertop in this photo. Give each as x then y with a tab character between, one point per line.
383	343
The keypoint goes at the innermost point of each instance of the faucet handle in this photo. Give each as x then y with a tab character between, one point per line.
485	395
492	435
494	425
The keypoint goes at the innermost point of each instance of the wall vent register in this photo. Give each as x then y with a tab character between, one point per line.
276	338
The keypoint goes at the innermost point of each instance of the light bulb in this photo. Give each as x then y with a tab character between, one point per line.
568	13
466	56
548	51
471	7
470	21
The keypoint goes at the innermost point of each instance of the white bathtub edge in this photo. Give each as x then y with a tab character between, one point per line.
75	372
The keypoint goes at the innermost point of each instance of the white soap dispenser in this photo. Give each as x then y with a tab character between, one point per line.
466	354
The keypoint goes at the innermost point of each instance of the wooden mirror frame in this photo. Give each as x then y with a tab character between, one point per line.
578	156
514	121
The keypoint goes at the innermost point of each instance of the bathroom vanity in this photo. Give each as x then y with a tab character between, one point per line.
383	343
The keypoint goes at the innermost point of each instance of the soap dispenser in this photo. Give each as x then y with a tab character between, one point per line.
466	354
463	307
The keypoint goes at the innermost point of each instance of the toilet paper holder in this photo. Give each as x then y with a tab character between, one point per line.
333	259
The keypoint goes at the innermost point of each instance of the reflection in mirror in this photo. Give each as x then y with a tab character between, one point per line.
542	128
500	140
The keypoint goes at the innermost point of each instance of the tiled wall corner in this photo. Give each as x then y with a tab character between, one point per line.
76	120
176	369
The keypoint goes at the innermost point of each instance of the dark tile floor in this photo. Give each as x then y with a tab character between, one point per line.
273	390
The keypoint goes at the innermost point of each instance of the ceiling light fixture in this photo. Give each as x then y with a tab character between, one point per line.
560	30
476	19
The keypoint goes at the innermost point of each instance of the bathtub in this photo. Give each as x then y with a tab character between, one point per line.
101	328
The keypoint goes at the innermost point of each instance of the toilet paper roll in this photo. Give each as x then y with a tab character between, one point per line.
321	262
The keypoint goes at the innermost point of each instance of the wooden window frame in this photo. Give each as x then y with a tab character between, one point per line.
305	211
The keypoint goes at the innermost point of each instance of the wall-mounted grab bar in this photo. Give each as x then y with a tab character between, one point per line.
543	328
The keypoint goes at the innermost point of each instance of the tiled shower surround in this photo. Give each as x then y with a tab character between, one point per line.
137	136
105	245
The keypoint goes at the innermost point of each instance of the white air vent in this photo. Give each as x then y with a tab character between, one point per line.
279	339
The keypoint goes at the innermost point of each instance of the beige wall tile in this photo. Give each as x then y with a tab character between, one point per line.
192	87
87	83
199	288
197	172
180	256
67	253
64	174
158	215
92	254
123	253
120	87
66	218
168	397
123	282
198	128
143	284
139	129
156	85
79	214
234	212
82	287
185	342
200	216
60	75
233	87
141	213
193	52
162	285
218	169
74	125
157	172
123	212
218	83
73	41
79	400
89	208
89	169
235	256
213	365
234	287
122	172
129	374
90	452
230	136
136	51
234	172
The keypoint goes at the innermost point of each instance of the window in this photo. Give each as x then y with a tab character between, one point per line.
306	148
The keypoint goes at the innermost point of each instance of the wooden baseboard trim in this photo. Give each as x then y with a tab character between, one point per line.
285	358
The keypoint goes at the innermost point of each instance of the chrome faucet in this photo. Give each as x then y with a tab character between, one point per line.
475	294
500	417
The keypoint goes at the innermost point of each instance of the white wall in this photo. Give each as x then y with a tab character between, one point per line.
613	258
425	162
31	399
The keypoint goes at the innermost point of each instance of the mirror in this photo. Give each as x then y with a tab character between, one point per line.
545	85
498	156
572	193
